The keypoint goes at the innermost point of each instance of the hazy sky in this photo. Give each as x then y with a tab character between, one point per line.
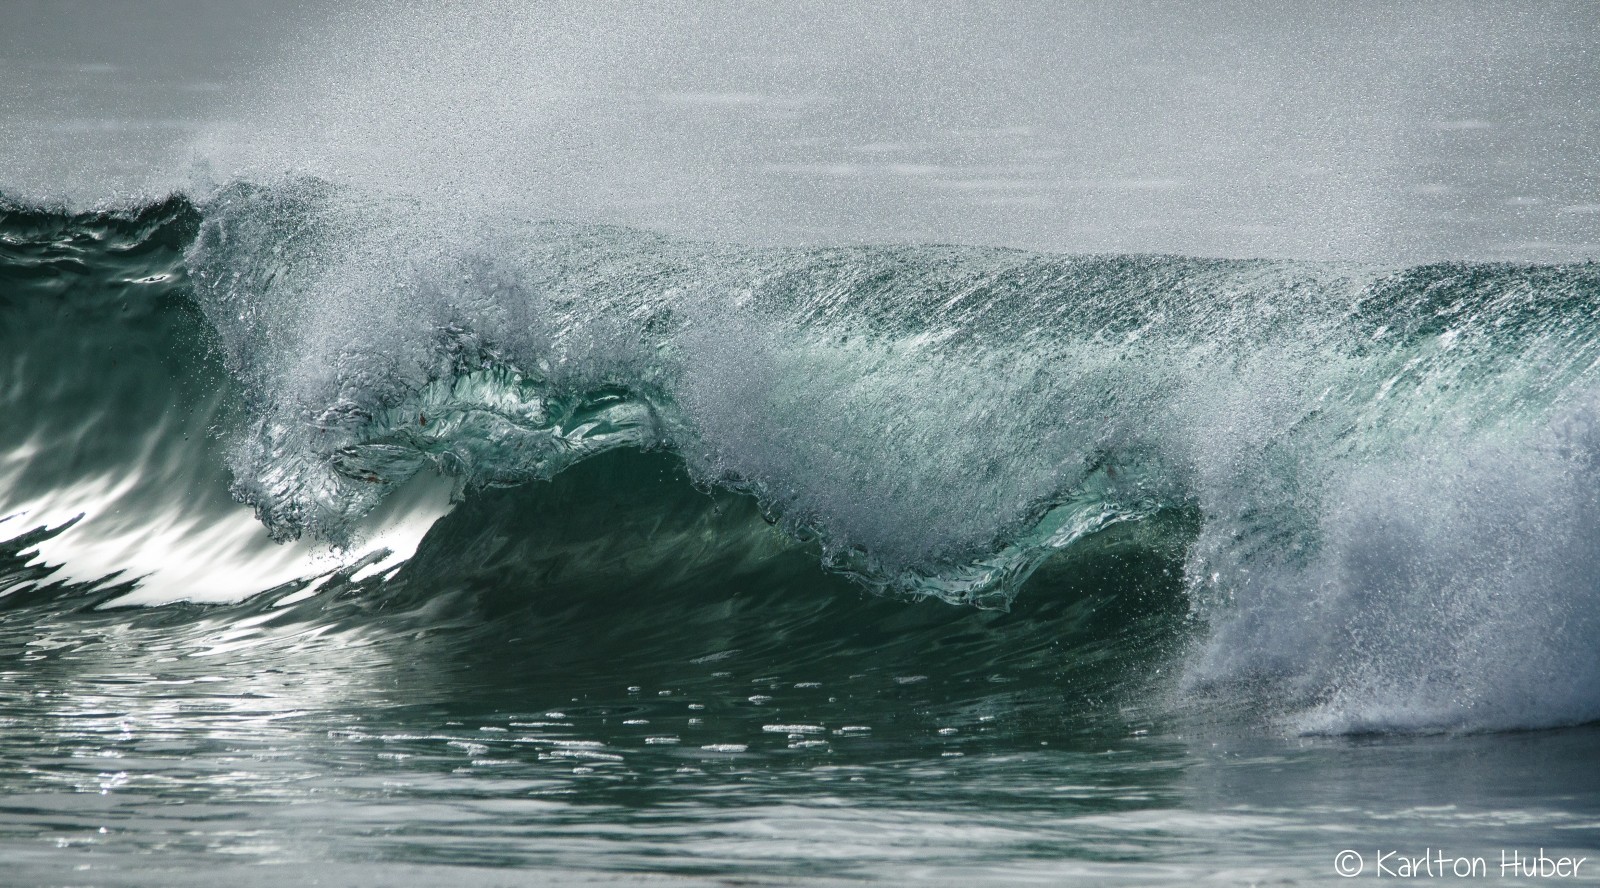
1370	131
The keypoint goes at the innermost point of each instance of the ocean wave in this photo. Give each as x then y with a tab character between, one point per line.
1391	472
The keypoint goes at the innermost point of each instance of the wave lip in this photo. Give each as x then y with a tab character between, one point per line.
810	380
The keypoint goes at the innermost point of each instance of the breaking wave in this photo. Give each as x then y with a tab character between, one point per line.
1379	489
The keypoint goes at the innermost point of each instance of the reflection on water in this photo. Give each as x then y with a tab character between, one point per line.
490	714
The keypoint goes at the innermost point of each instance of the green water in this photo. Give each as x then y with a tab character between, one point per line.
625	674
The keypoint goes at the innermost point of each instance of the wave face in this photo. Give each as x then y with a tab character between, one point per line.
1383	485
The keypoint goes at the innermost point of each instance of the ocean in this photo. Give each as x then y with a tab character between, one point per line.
770	445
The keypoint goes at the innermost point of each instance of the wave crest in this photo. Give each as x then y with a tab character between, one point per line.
941	420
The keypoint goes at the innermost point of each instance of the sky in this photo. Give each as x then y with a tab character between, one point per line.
1372	132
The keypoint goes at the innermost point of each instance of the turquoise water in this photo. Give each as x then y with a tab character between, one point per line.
688	619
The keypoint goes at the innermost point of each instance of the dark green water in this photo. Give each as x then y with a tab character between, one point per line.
1294	558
